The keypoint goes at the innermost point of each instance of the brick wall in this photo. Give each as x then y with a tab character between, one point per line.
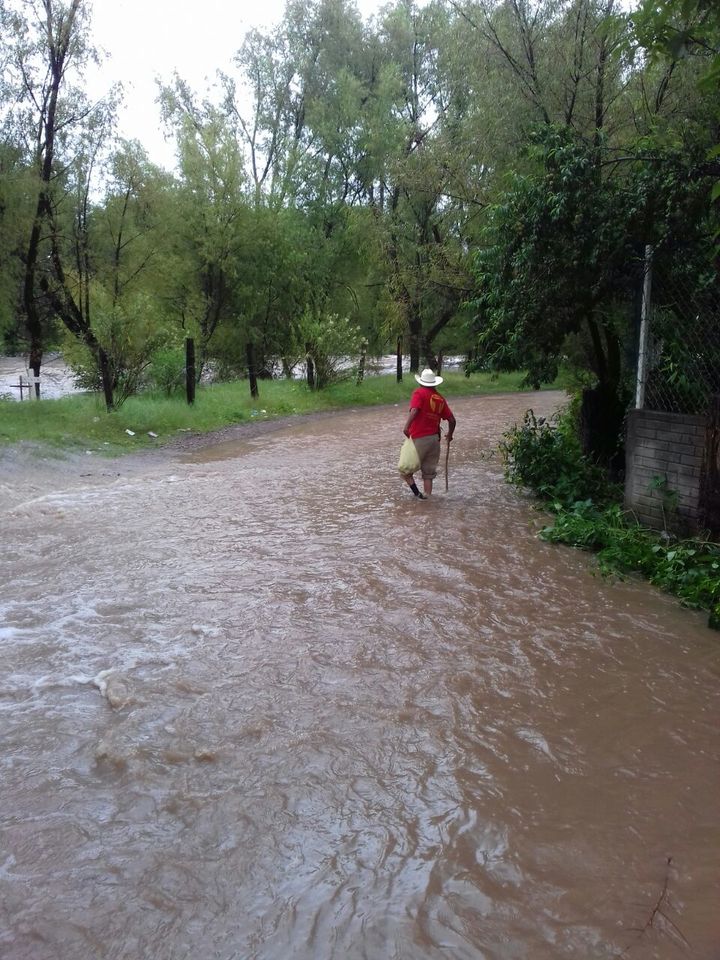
668	446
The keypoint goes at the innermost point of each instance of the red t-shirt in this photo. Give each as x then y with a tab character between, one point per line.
432	408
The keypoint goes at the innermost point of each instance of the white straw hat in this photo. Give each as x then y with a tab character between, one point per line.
428	379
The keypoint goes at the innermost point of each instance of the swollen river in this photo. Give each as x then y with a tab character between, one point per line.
258	703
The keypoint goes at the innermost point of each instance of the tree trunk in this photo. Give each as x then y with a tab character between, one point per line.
415	328
310	366
446	315
36	353
602	413
600	364
361	365
431	360
32	315
399	360
59	36
106	377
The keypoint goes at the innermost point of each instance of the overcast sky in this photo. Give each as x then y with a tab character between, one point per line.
146	39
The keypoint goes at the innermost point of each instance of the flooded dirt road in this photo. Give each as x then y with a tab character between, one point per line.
258	702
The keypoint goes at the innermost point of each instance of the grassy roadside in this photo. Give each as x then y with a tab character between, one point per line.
81	423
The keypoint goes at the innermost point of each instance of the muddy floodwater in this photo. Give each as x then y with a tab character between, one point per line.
258	702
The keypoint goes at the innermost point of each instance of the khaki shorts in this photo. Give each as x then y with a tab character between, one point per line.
428	449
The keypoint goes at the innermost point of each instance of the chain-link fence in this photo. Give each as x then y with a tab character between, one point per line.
679	362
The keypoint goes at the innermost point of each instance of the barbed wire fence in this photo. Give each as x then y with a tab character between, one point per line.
679	353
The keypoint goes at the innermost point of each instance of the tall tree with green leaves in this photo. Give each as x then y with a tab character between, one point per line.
16	211
561	265
683	36
430	200
119	244
45	42
211	212
313	95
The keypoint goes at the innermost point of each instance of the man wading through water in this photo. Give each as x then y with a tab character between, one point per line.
427	409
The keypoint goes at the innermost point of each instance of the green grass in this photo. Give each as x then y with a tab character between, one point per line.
81	422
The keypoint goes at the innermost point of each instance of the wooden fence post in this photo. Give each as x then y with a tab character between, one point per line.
190	370
252	374
399	356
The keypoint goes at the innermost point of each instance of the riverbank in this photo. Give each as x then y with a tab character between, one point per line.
81	424
58	380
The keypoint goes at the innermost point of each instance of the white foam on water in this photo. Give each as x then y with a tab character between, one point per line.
205	630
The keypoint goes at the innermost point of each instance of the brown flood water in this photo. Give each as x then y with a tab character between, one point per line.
257	702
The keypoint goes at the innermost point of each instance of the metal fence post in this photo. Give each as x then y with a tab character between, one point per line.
644	331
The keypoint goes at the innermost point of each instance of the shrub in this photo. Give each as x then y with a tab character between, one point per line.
167	370
545	456
329	341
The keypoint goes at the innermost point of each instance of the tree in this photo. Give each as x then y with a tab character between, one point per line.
211	212
46	40
305	142
117	248
562	260
686	33
427	207
681	29
16	182
304	82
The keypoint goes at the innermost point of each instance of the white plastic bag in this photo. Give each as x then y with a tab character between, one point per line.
409	461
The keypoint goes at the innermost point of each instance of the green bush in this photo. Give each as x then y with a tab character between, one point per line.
167	370
330	340
545	456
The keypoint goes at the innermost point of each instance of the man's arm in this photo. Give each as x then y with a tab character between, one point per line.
451	427
411	416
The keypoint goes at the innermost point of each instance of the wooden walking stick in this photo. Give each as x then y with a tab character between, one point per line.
447	457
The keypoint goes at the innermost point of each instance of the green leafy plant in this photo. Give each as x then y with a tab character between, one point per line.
167	370
546	456
329	340
588	513
668	498
689	569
